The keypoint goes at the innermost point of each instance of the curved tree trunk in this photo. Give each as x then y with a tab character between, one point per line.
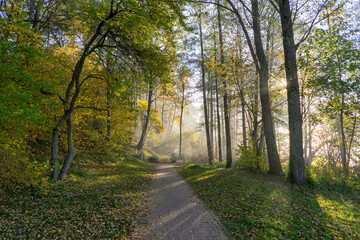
71	151
274	159
141	143
55	146
71	97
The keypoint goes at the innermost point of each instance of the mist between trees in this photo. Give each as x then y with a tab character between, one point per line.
269	86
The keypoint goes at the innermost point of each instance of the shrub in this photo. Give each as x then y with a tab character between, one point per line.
18	171
250	160
323	172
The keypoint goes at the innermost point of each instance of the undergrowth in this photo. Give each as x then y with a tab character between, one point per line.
257	206
100	199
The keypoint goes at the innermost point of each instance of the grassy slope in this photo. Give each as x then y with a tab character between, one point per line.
254	206
100	199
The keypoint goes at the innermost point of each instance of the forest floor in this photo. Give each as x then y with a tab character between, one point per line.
100	199
175	212
258	206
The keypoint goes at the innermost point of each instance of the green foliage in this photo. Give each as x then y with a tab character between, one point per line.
101	199
20	103
332	59
249	159
17	171
254	206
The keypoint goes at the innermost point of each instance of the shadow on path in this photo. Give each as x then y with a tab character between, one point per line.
177	213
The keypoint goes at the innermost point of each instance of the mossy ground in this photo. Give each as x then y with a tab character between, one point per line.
258	206
100	199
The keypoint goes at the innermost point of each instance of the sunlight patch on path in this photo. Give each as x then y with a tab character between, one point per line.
177	213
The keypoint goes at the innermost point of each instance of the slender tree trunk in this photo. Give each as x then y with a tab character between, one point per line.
218	110
36	17
255	137
108	112
71	150
162	111
55	146
310	157
243	116
351	140
306	143
147	118
263	70
211	103
218	122
296	162
207	128
226	100
274	160
181	116
344	161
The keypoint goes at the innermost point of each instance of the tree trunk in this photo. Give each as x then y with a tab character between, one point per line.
71	151
263	70
351	140
310	157
218	110
211	104
344	161
181	116
243	116
255	135
140	145
162	112
207	127
71	96
296	162
55	146
274	160
108	112
226	100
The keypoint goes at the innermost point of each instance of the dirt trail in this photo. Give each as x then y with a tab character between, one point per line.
177	213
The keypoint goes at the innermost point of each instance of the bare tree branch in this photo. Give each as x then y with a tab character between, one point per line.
51	93
97	76
274	5
217	4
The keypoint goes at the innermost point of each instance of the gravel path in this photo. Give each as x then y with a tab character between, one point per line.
177	213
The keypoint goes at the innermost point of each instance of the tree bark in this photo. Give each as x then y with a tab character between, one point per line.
296	162
140	145
207	128
343	154
218	110
108	112
55	146
70	99
225	96
243	117
262	68
181	116
71	151
274	160
211	105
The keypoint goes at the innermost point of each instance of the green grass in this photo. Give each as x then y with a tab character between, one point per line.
256	206
100	199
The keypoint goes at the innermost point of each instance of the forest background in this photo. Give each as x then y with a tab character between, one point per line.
80	76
